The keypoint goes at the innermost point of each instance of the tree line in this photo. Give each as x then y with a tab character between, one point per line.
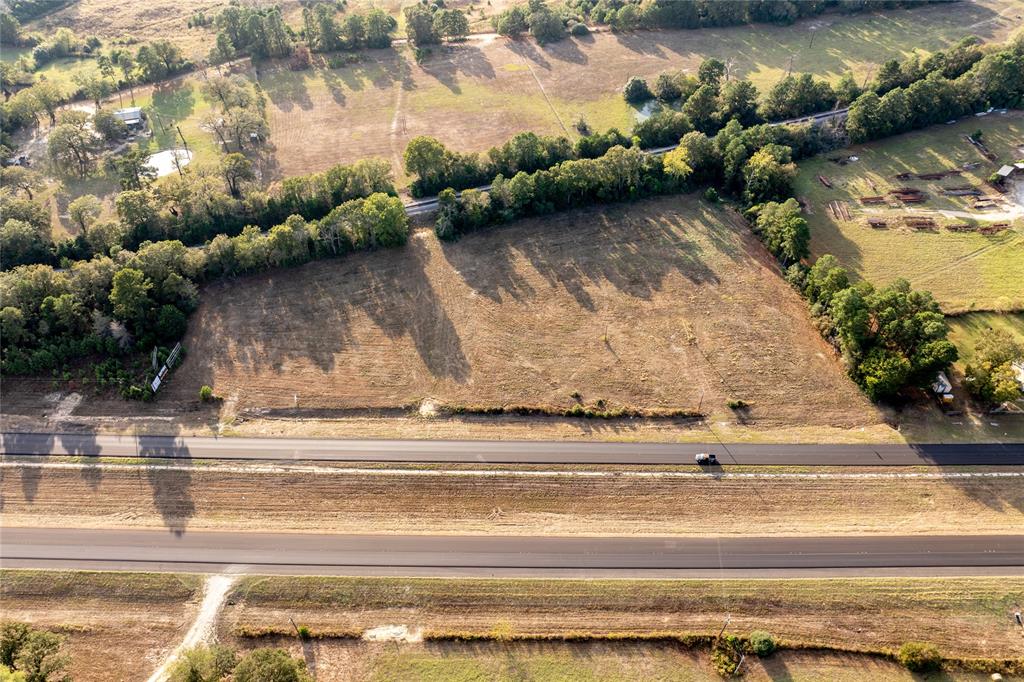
945	86
546	25
192	207
112	309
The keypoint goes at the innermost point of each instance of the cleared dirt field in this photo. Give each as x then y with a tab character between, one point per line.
963	270
333	500
119	626
663	304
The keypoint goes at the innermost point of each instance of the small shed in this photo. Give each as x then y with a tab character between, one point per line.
942	387
131	116
1005	171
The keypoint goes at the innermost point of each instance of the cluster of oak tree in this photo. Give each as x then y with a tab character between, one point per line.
966	79
113	307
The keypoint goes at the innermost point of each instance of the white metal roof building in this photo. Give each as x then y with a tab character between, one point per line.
131	115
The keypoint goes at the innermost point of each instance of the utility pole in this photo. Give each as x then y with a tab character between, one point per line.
721	632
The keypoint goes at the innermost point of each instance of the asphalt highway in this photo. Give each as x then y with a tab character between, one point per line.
323	554
504	452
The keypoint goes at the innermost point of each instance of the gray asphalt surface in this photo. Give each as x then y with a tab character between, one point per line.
505	452
316	554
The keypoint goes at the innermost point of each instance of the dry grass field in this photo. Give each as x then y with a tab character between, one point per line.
662	304
479	94
964	271
865	613
335	500
120	625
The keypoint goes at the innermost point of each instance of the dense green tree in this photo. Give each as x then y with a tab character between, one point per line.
22	243
671	14
132	168
883	373
419	26
40	657
784	230
84	211
545	25
990	374
702	109
451	24
636	91
768	175
711	72
425	157
379	27
236	169
270	665
71	145
511	23
203	664
738	100
129	295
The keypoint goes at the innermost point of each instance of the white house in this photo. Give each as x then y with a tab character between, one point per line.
131	116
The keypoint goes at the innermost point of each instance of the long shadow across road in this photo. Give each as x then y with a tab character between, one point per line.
505	452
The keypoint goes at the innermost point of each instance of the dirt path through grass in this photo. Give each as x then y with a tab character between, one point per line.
205	625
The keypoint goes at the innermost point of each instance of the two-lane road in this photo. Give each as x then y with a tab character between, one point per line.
444	555
504	452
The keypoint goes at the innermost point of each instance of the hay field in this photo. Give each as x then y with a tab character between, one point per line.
964	271
651	305
481	93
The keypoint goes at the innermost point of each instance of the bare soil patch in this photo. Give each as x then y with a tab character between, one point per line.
349	501
663	304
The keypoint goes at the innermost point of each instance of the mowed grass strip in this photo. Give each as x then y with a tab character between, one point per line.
856	613
650	305
71	586
964	271
604	662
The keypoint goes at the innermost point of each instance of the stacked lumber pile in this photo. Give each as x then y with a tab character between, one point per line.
994	228
840	210
877	223
909	195
938	176
872	200
825	181
919	222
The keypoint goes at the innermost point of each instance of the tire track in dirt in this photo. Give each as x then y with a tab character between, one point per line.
545	94
397	127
